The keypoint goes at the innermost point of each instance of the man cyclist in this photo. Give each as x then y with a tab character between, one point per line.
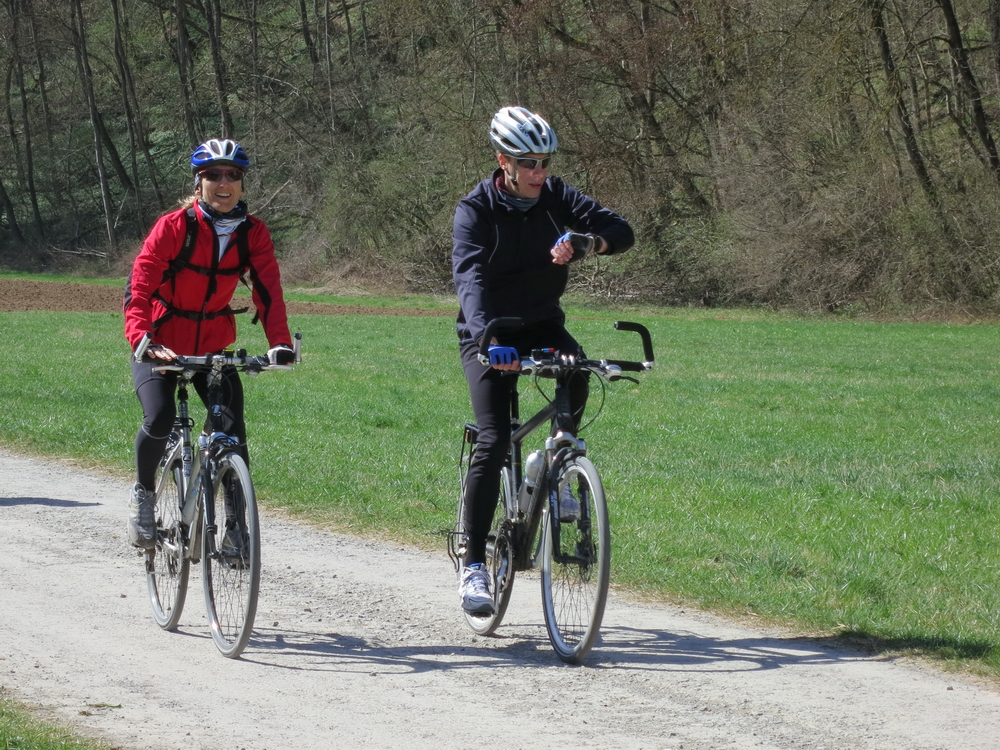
179	293
510	254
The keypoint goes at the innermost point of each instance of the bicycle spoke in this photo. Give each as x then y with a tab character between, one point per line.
575	565
499	562
166	567
232	559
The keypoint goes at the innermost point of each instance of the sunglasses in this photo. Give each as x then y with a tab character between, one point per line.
534	163
214	175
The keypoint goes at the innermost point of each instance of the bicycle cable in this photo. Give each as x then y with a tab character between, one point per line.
604	394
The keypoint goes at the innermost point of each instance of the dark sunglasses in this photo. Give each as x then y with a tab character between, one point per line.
533	163
214	175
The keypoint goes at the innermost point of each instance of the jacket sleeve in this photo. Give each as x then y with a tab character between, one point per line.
159	248
590	217
471	240
265	282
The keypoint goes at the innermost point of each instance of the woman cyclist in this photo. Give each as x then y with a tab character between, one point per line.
511	249
179	294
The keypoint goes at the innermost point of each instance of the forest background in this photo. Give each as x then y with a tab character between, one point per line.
817	154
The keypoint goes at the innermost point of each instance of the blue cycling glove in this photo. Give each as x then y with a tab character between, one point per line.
503	355
583	244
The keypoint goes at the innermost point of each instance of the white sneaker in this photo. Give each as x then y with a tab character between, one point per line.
141	518
569	506
474	588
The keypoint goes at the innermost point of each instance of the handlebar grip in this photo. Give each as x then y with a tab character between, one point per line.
142	346
492	327
628	366
297	348
647	340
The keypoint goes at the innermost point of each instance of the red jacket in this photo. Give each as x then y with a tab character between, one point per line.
188	302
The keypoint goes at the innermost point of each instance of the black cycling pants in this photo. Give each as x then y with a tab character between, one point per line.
490	390
156	394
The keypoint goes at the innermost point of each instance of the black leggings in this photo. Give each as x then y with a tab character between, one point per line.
491	391
156	394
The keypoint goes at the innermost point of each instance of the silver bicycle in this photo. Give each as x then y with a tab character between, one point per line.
206	511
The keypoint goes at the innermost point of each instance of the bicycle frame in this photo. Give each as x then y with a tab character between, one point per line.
525	530
199	466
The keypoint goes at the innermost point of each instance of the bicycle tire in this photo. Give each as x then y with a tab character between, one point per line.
575	577
167	567
232	582
499	561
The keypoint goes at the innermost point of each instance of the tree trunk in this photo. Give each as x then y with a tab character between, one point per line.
307	35
994	14
77	26
8	209
29	159
897	92
184	72
132	117
961	58
213	10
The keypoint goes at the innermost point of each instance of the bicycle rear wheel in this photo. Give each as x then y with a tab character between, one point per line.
575	564
499	561
167	567
231	558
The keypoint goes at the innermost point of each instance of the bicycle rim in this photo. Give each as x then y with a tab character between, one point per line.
499	562
232	581
166	566
575	574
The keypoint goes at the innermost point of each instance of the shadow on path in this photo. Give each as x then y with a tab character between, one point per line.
10	502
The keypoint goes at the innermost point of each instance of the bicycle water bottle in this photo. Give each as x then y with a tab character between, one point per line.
532	470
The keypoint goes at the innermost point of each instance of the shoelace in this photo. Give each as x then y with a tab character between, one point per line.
145	511
476	581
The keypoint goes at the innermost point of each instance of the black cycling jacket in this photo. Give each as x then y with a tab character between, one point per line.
500	258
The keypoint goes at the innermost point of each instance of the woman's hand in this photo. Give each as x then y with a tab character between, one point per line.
158	351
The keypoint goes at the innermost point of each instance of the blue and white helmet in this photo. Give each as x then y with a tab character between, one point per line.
219	152
515	131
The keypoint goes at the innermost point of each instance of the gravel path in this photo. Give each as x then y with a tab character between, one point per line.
362	644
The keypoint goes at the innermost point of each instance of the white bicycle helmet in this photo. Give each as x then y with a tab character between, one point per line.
222	152
515	131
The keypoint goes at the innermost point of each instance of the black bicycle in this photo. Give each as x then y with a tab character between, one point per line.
206	510
573	552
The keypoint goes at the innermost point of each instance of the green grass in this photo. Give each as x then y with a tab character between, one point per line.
20	731
837	477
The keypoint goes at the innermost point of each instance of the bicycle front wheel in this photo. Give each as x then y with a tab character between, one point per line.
167	566
575	564
231	558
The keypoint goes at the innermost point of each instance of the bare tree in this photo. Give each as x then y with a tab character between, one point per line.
213	16
970	84
78	27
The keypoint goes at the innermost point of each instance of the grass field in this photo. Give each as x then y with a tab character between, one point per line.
836	477
19	730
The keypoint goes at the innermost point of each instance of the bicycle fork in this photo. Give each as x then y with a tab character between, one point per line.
563	449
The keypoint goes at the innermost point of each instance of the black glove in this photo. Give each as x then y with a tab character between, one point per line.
582	244
282	354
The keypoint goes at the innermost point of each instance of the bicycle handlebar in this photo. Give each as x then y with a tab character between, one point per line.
495	325
238	359
609	368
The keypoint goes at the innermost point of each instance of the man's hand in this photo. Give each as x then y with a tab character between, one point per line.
574	246
504	357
